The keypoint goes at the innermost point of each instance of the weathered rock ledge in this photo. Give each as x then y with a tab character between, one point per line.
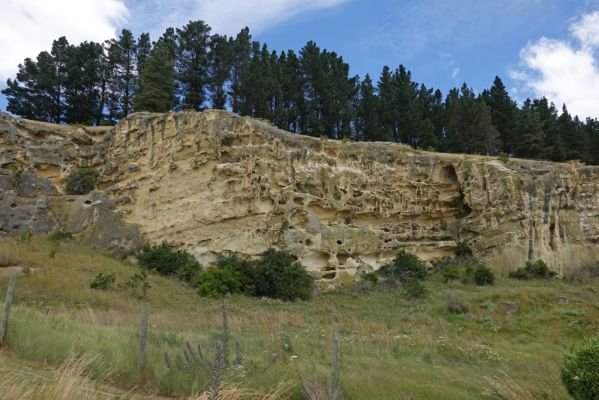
214	181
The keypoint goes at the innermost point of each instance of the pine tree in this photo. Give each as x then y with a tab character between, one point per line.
592	128
220	60
529	130
35	92
405	104
313	82
291	86
120	66
144	49
554	148
575	137
469	126
503	114
426	135
241	48
82	88
192	63
127	69
156	90
328	93
367	124
387	112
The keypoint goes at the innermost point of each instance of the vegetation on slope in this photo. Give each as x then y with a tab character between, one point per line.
459	342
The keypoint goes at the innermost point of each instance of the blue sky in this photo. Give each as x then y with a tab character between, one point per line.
539	47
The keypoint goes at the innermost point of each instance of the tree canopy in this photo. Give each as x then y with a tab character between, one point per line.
310	91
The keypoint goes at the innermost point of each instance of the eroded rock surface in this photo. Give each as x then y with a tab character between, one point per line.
214	181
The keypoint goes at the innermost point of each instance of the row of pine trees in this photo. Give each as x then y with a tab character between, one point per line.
310	92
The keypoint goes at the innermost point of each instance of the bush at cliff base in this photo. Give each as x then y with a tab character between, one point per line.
580	372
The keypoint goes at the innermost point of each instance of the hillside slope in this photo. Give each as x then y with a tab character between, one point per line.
509	340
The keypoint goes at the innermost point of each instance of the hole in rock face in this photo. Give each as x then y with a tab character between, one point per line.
329	275
342	258
88	202
308	242
339	241
13	205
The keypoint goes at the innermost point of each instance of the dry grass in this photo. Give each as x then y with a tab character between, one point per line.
278	392
322	389
69	382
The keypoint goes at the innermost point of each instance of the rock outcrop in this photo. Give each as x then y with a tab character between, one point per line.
214	181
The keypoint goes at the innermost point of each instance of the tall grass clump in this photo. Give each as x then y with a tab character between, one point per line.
70	382
580	371
59	235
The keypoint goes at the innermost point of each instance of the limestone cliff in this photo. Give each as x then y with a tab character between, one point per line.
214	181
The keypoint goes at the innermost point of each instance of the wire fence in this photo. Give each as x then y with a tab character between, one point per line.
138	345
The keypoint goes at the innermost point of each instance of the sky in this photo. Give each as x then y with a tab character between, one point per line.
538	47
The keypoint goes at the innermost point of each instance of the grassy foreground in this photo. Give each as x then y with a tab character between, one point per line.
392	348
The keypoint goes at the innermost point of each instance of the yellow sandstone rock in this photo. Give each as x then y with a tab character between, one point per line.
213	181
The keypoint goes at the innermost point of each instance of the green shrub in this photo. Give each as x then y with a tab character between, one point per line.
371	277
218	282
480	275
450	274
166	260
280	276
414	289
102	282
60	235
520	273
82	180
189	271
462	250
276	274
533	270
483	276
245	267
580	371
404	267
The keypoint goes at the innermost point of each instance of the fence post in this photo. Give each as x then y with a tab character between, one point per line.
335	363
143	334
7	304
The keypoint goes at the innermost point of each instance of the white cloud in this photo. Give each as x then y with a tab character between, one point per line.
587	30
29	26
565	71
224	16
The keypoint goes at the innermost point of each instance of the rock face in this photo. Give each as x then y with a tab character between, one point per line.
214	181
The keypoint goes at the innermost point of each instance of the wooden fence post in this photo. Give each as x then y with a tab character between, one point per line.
7	304
143	334
336	359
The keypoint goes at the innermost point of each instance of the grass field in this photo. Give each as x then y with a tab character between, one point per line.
392	348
